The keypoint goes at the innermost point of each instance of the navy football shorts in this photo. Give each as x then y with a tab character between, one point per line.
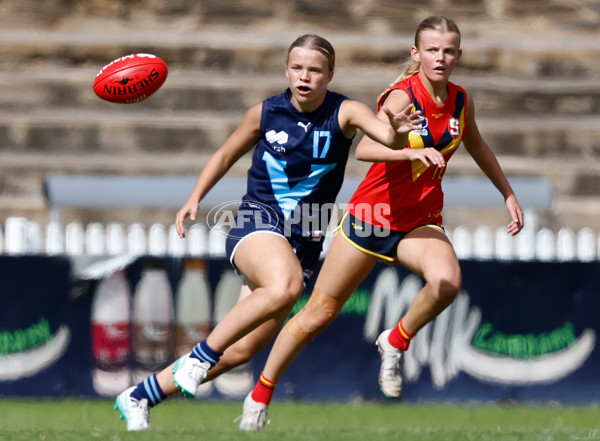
374	240
254	219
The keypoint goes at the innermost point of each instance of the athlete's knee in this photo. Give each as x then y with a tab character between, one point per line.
446	285
285	292
448	290
315	317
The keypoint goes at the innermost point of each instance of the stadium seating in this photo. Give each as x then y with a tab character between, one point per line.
533	77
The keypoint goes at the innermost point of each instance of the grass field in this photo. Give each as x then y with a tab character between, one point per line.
180	420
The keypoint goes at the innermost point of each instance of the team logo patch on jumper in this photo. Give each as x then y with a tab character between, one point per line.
423	130
454	127
274	137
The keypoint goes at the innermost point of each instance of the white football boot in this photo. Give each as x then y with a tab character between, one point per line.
390	377
133	411
188	373
254	416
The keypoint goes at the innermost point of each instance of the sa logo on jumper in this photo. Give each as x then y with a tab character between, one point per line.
454	127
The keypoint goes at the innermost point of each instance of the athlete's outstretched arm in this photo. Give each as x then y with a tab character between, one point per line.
242	140
392	131
487	162
372	151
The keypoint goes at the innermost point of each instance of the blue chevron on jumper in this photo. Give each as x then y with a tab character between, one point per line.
287	197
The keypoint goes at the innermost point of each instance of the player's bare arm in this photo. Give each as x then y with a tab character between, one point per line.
393	132
481	152
372	151
241	141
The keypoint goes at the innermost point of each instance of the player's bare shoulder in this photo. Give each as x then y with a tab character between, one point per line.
396	100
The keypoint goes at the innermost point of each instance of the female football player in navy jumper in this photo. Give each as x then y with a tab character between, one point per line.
395	215
301	140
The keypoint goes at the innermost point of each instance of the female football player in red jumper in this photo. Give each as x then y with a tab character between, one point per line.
395	215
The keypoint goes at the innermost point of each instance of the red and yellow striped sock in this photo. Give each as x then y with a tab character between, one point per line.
263	391
399	337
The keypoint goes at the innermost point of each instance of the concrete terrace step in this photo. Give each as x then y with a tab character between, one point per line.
26	170
79	131
127	163
248	50
118	130
383	15
334	14
195	89
571	177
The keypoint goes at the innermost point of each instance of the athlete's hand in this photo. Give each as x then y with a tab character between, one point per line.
428	156
406	121
516	214
189	209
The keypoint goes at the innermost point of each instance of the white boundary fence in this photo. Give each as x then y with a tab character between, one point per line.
21	236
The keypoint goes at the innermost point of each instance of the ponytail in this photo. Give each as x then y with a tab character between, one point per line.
411	67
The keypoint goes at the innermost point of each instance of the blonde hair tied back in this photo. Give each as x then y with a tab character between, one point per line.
411	67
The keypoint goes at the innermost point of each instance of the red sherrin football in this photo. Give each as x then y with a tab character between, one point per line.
131	78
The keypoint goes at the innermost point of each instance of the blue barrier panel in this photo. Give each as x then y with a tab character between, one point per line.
518	332
522	332
38	327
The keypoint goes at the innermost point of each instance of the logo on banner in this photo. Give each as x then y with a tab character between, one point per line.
28	352
458	341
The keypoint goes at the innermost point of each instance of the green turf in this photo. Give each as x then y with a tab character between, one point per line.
180	420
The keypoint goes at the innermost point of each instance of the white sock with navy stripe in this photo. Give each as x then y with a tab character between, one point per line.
150	390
